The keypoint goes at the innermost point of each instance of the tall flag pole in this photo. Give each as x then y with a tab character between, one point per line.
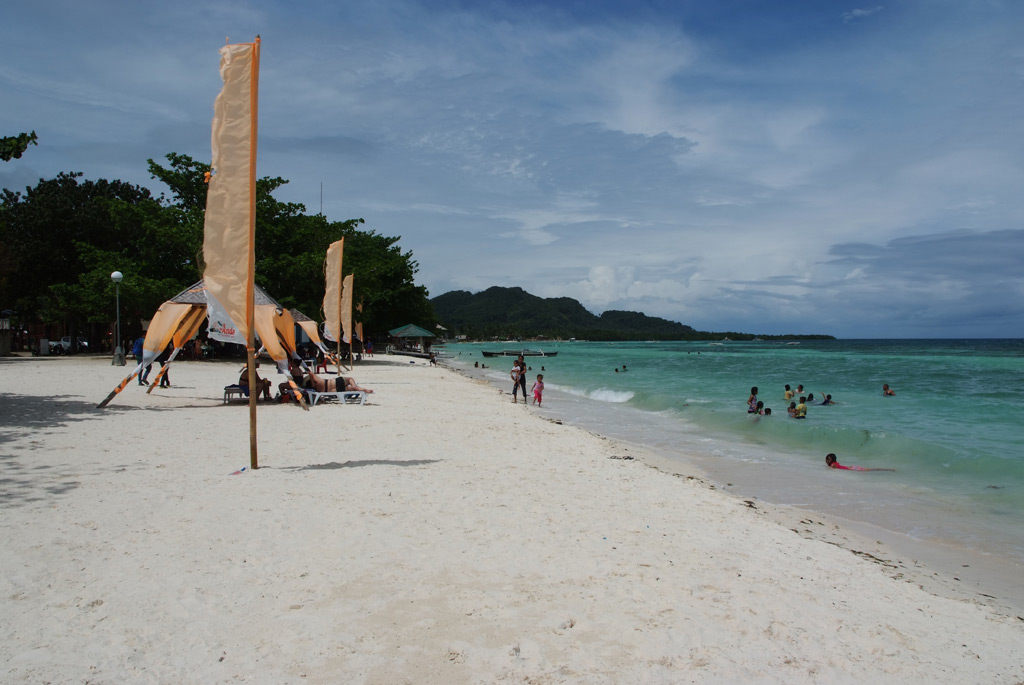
332	295
346	315
230	226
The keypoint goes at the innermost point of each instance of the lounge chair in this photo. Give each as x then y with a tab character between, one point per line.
234	390
240	391
343	397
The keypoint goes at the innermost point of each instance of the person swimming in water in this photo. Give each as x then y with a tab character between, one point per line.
830	461
801	409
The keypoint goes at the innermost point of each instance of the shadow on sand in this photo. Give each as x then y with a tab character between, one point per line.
25	421
330	466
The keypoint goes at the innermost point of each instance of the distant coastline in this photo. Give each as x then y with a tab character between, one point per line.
500	313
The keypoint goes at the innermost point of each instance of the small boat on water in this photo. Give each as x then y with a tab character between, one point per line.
516	353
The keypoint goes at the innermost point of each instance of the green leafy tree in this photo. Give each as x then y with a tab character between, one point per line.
291	247
384	282
60	240
185	210
12	147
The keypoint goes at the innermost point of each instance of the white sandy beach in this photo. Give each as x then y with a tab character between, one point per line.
438	534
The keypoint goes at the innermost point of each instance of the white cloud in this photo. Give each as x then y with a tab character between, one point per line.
860	13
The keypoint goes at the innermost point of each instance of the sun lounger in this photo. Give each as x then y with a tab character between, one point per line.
232	391
344	397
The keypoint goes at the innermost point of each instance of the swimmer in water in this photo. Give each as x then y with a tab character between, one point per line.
830	461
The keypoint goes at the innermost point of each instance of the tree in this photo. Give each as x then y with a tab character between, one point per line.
384	282
60	240
291	247
12	147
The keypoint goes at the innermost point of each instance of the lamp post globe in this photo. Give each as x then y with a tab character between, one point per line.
118	359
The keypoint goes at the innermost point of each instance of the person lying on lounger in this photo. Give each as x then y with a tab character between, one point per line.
311	381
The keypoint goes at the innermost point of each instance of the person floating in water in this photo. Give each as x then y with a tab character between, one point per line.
828	400
830	461
887	391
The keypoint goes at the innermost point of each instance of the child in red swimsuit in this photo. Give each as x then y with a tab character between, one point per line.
830	461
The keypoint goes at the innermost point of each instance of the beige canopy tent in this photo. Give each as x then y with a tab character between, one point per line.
178	319
310	328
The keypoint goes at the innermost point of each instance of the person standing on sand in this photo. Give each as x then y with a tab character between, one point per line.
516	373
138	352
538	389
522	376
165	380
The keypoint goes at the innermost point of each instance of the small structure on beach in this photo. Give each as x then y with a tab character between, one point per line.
178	319
411	340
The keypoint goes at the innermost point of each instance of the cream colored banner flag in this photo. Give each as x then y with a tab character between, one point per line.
346	308
332	290
230	199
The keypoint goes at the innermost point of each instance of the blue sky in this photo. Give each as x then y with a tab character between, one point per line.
848	168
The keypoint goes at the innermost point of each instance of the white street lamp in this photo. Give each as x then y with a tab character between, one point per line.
118	359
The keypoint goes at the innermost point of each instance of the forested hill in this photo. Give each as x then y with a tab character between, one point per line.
514	313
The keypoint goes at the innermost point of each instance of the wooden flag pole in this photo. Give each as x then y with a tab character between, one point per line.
119	388
341	328
250	285
163	370
342	320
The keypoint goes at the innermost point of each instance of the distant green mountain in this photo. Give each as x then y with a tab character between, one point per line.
510	313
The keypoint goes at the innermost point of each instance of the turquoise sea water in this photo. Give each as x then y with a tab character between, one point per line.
953	432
